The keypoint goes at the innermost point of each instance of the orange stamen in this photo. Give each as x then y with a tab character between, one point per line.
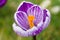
30	20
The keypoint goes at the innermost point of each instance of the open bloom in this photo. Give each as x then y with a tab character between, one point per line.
2	2
30	19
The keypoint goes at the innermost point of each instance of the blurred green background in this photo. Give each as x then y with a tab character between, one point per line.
52	32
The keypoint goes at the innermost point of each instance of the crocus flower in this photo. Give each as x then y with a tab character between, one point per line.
30	19
2	2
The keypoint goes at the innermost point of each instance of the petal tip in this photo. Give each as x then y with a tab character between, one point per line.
25	5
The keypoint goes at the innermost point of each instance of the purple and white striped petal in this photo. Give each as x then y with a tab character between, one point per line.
36	11
24	6
19	30
21	20
46	18
34	31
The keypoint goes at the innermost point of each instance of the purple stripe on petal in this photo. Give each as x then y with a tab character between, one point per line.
2	2
44	15
22	20
47	18
38	31
21	25
31	31
34	31
37	12
25	6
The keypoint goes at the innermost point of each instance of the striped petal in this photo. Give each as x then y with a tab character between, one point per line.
19	30
46	18
21	20
37	12
34	31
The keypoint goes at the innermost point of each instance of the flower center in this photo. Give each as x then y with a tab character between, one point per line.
30	20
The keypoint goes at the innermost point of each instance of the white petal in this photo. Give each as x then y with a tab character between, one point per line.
19	30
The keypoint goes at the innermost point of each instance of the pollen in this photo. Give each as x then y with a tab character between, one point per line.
30	20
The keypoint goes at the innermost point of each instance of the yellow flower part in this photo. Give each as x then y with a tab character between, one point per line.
30	20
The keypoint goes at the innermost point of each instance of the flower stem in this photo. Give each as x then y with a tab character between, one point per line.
34	37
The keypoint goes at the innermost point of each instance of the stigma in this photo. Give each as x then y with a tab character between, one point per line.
30	20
